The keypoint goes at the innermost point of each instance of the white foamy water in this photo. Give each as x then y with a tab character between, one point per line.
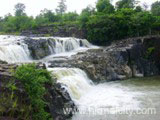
76	81
64	44
66	47
90	97
13	48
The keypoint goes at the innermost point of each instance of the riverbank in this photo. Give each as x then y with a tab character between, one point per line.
18	96
134	57
71	61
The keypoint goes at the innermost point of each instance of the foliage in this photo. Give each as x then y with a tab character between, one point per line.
104	28
19	9
12	104
101	25
149	52
18	23
84	16
125	4
71	16
61	9
33	80
155	8
105	6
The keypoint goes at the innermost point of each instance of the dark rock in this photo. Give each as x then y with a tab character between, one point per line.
38	48
56	30
60	100
121	60
3	62
57	97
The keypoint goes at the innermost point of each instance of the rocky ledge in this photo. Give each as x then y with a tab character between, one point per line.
14	101
61	30
134	57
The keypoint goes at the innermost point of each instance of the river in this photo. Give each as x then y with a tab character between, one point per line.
133	99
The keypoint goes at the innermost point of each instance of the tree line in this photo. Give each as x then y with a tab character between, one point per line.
102	24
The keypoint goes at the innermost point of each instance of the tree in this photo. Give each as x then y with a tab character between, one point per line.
48	14
138	9
155	8
126	4
18	23
105	6
20	9
61	9
85	14
41	20
71	16
142	23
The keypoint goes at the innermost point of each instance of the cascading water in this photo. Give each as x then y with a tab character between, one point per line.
60	45
92	100
14	49
76	80
96	101
67	46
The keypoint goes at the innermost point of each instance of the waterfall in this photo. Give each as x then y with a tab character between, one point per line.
90	97
61	45
75	81
13	49
67	44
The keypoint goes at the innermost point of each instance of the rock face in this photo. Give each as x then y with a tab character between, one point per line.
5	72
56	30
135	57
59	101
41	47
38	48
58	98
11	92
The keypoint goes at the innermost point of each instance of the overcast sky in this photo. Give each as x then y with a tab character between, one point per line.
33	7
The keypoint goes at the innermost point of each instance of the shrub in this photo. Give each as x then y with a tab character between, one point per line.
34	80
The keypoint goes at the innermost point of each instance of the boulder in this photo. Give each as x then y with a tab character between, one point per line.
60	101
38	48
56	30
134	57
57	97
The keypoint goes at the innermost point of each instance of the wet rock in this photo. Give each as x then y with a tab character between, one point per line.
38	48
121	60
60	101
3	62
57	97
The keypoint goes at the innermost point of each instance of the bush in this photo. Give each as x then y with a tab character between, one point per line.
34	80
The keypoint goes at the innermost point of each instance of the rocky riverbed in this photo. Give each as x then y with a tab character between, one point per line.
137	57
12	91
134	57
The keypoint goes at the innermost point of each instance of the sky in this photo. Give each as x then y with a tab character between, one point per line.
33	7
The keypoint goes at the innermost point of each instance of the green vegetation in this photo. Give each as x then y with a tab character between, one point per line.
12	104
125	4
101	25
61	7
155	9
105	6
19	9
22	96
34	81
